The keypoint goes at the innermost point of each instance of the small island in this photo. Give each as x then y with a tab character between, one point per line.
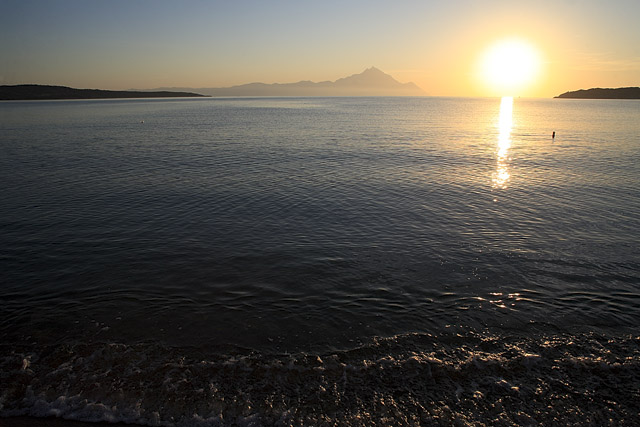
44	92
600	93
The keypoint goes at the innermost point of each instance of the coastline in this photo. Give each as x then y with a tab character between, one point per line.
31	92
27	421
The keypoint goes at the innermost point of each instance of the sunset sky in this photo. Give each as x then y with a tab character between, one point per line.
439	45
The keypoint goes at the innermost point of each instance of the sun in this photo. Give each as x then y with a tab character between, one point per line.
509	66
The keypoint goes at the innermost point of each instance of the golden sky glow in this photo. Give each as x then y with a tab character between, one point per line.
436	44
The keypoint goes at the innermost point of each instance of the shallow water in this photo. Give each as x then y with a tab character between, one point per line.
256	251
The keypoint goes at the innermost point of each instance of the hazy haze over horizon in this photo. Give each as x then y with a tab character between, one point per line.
436	45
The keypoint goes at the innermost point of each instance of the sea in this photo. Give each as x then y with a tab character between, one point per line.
321	261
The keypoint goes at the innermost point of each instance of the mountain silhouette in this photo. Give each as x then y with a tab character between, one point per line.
371	82
606	93
27	92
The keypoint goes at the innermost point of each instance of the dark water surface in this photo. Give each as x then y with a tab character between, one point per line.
321	261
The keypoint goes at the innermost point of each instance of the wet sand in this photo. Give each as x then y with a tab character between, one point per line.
52	422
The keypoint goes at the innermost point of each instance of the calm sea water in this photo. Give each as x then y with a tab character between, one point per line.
321	261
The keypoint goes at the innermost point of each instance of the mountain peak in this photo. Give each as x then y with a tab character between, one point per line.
371	77
371	82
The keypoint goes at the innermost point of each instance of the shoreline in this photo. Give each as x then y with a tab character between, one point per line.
30	421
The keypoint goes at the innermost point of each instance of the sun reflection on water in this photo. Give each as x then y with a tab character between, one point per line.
501	175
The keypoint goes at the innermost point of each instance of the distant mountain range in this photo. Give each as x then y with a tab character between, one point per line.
371	82
33	92
600	93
